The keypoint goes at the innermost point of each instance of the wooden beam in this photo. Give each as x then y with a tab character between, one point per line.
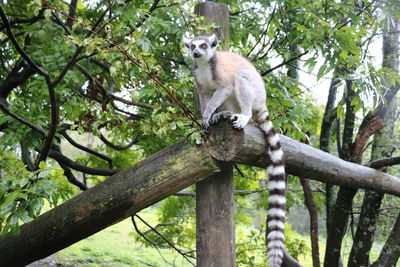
125	193
249	147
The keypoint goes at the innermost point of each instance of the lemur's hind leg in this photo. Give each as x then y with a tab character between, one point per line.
245	98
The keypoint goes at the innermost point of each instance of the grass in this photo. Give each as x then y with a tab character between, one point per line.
115	246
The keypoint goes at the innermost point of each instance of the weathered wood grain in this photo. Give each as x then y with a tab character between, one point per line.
249	147
118	197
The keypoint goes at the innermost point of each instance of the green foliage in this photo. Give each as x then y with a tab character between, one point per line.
137	54
22	193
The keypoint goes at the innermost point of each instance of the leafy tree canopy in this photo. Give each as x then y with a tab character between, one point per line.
118	71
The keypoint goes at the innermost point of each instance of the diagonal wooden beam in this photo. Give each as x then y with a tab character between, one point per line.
125	193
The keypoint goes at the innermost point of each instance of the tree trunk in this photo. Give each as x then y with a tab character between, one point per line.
308	197
312	210
340	218
390	253
326	131
381	148
344	200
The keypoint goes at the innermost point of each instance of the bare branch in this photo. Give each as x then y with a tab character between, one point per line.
62	159
161	225
284	63
71	177
163	237
17	76
371	127
81	147
380	163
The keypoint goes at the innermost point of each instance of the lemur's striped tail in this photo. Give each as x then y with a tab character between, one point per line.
277	197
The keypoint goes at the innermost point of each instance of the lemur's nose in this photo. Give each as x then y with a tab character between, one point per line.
196	54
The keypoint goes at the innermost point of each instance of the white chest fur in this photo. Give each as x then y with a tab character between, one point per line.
204	76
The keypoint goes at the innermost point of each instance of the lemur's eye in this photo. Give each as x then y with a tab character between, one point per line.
203	46
192	47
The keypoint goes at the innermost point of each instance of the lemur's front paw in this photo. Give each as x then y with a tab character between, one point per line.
239	121
204	127
220	115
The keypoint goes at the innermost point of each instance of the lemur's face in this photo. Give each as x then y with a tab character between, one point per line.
201	47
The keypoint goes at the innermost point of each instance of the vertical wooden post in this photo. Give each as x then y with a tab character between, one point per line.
215	229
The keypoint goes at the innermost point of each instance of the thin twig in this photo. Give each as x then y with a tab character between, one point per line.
151	74
284	63
165	239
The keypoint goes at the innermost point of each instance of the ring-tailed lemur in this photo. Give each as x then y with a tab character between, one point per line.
230	83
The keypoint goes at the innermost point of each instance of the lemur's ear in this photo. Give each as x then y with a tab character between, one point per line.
186	41
213	40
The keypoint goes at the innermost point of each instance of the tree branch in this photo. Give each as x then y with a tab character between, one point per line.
18	47
105	92
18	76
32	20
162	236
61	159
25	156
147	15
364	133
72	179
86	149
377	164
289	261
113	146
284	63
312	210
72	12
6	110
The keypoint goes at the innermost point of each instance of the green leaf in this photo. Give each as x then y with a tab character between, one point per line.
322	71
9	199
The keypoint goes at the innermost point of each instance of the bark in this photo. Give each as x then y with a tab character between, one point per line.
289	261
215	225
248	147
326	131
312	210
390	253
344	200
215	212
359	254
340	220
381	148
385	162
120	196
